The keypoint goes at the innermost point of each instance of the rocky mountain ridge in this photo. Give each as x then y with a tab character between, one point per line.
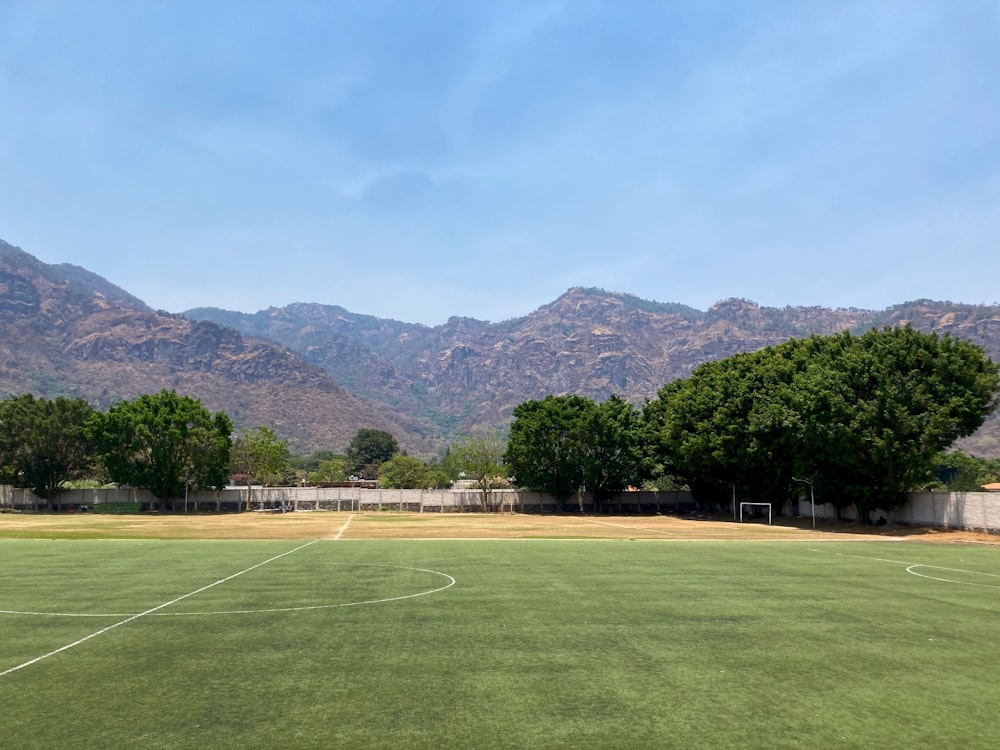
467	373
65	331
316	373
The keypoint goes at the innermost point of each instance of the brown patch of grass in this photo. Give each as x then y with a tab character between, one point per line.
393	525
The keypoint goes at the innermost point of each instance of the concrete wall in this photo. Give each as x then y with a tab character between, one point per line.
960	510
350	499
953	510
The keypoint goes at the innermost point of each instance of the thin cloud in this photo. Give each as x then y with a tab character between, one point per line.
476	158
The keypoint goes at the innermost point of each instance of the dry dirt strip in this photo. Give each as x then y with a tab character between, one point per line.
391	525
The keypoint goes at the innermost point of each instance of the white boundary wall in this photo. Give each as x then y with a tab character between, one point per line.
960	510
345	499
963	510
953	510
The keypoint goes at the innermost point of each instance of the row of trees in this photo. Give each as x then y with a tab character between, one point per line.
476	458
162	442
170	444
374	454
864	419
956	471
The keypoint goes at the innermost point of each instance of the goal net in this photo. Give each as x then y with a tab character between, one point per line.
750	513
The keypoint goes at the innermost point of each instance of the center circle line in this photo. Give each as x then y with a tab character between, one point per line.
451	582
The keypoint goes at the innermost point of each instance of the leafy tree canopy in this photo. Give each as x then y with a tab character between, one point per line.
862	416
370	448
311	462
43	443
164	442
440	480
479	458
330	471
404	472
955	471
563	444
547	447
260	458
614	457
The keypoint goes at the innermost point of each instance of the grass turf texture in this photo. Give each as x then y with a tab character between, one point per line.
585	644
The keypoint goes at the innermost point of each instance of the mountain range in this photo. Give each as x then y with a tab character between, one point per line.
317	373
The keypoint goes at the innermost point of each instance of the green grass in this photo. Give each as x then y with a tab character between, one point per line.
539	644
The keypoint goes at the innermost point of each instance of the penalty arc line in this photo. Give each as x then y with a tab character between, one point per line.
127	620
910	569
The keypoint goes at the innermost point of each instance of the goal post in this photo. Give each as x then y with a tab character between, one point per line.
759	505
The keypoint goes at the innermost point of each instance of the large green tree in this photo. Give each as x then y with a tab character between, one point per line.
891	402
699	428
479	458
369	449
164	443
259	457
564	445
547	449
43	443
861	417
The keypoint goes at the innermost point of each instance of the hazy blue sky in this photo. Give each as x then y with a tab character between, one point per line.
418	159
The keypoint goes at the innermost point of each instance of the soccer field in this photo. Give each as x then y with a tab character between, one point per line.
640	639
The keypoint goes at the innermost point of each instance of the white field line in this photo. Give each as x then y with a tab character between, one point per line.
451	582
911	571
149	611
302	608
624	526
863	557
911	565
610	540
344	527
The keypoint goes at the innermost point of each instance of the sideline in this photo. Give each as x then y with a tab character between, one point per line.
343	528
127	620
634	528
